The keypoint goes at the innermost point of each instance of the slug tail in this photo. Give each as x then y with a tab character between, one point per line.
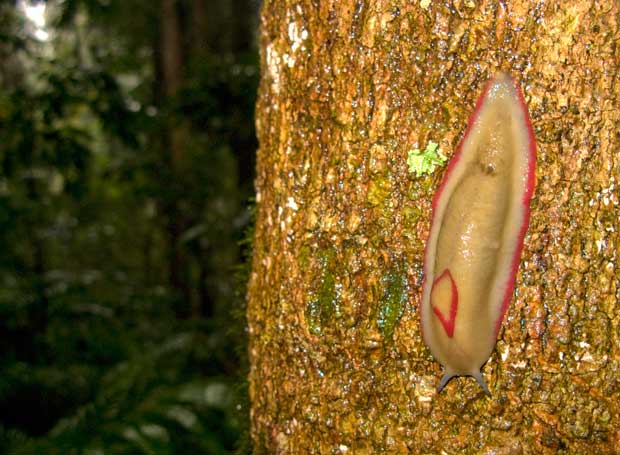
478	376
445	379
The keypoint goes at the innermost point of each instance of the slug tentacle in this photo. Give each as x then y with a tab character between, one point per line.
445	379
480	216
478	376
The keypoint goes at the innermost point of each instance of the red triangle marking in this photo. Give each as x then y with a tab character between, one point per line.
448	323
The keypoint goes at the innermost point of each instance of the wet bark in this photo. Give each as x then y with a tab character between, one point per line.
337	360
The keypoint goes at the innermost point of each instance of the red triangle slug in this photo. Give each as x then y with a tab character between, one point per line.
480	215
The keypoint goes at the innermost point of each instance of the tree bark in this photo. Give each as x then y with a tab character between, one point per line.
337	360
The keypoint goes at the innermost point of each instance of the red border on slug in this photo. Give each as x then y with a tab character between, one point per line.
527	195
448	324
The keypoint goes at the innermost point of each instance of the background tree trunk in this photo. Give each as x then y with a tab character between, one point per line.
175	139
337	360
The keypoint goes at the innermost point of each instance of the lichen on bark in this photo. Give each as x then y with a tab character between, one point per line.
337	360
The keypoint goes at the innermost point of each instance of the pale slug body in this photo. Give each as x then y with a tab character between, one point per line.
480	216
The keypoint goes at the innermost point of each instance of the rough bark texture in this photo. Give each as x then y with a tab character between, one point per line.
348	88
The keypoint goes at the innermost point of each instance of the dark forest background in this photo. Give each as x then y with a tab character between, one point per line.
126	170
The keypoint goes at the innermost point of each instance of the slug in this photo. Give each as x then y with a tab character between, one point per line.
480	215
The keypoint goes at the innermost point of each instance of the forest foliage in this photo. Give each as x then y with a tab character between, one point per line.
121	276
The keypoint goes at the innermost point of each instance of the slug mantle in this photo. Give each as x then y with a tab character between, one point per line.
480	215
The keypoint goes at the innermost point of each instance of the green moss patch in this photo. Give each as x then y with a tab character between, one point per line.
392	303
323	302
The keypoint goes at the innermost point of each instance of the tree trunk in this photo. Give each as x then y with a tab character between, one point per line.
337	360
243	25
12	71
172	67
199	28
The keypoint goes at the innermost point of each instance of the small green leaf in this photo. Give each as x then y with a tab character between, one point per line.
425	162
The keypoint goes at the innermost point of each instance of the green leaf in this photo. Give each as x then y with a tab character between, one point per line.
425	162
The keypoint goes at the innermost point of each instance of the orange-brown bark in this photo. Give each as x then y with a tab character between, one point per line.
337	359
